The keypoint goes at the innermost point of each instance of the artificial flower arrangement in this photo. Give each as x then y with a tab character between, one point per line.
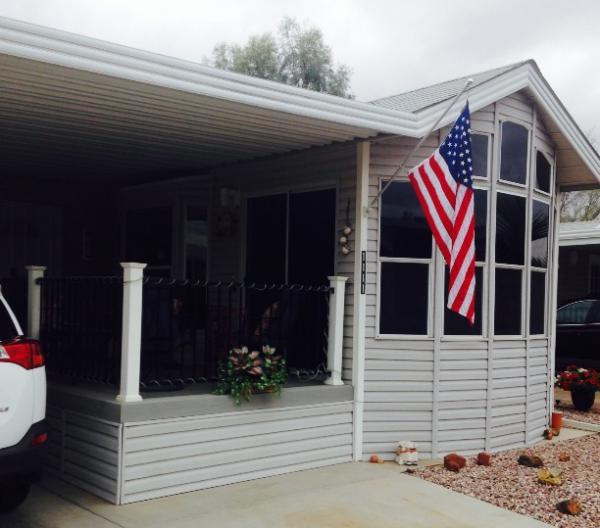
248	372
574	376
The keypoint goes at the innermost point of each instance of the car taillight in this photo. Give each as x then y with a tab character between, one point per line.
39	439
24	352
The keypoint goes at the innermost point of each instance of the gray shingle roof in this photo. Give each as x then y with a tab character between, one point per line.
416	100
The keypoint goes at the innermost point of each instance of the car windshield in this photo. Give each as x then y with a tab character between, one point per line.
7	327
579	312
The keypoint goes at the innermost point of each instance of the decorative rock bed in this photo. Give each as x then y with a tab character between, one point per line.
570	413
515	487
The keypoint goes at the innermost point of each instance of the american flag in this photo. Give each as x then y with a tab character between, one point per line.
444	186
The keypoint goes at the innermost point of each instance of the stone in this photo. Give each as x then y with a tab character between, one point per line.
454	460
570	507
376	459
564	457
549	476
530	461
484	459
452	465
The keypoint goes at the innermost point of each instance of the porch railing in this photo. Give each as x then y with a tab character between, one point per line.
188	327
80	327
134	331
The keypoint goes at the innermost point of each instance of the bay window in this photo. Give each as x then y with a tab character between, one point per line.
410	266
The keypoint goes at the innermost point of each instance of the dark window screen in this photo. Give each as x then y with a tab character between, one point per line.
404	298
479	146
507	309
543	172
513	153
538	302
266	239
480	224
404	229
455	324
510	229
540	218
149	234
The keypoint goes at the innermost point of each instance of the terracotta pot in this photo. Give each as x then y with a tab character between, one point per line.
557	418
583	396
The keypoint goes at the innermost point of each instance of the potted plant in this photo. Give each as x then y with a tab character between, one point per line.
583	384
248	372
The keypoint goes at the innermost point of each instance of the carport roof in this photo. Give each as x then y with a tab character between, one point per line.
81	105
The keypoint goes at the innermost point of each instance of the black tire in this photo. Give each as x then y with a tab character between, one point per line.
12	494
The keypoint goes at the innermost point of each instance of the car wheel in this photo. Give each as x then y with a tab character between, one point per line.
12	494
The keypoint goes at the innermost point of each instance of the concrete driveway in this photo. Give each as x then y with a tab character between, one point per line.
356	495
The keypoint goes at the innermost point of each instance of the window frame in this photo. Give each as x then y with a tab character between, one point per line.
492	184
430	262
538	148
527	127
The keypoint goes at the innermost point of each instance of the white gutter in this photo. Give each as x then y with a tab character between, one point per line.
75	51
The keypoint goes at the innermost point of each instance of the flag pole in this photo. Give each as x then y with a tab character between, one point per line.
468	83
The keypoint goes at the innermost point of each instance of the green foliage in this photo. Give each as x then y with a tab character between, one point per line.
297	56
245	373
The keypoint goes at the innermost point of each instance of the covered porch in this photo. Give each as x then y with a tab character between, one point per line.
157	214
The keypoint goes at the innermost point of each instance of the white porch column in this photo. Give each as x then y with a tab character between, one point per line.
131	338
34	300
336	330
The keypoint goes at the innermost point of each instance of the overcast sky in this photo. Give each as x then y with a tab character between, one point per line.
391	46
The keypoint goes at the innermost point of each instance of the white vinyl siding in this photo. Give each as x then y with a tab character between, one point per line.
465	393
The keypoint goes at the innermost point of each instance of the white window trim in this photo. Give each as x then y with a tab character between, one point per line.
403	260
528	177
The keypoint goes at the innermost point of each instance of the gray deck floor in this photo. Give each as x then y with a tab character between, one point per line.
354	495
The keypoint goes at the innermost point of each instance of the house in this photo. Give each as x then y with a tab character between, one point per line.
579	260
224	197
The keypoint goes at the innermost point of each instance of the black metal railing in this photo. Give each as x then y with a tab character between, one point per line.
14	290
189	327
80	327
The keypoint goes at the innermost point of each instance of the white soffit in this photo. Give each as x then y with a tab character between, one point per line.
113	106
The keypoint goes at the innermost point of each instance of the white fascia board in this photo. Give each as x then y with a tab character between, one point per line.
563	120
75	51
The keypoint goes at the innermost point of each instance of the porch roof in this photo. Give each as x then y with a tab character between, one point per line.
107	111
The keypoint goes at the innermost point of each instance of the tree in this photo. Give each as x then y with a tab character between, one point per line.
297	56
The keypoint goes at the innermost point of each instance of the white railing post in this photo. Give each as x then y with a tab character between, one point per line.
34	300
336	330
131	338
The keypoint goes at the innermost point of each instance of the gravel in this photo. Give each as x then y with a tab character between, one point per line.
592	416
513	487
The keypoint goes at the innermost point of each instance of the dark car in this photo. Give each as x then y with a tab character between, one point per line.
578	334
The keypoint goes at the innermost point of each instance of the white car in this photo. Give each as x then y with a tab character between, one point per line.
23	431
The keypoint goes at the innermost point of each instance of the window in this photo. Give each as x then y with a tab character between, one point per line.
513	153
196	242
480	224
405	255
149	237
540	218
479	147
543	171
574	313
455	324
404	298
404	229
510	229
7	327
537	314
507	309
